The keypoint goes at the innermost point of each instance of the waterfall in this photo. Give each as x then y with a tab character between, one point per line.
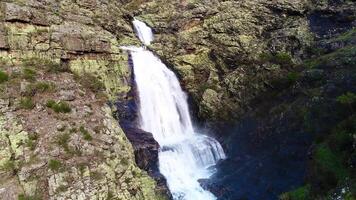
185	155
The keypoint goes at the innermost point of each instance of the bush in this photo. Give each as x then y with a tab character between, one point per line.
39	87
301	193
9	166
60	107
330	162
91	82
3	77
29	74
63	140
26	103
348	98
292	77
44	64
281	58
26	197
86	134
54	165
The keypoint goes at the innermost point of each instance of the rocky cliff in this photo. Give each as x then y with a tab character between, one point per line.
60	64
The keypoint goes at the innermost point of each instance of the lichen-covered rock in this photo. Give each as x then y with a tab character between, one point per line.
221	45
58	139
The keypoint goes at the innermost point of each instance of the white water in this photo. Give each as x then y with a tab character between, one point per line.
185	156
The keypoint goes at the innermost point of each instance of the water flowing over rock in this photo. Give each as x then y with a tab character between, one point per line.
185	156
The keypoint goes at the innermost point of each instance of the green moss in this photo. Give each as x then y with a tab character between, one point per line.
54	165
60	107
329	161
26	103
3	77
85	133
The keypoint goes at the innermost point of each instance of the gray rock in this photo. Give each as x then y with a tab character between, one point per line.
67	95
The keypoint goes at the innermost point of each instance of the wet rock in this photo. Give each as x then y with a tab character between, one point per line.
145	147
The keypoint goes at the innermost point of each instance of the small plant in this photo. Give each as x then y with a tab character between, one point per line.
292	77
54	165
281	58
3	77
86	134
60	107
9	166
29	74
43	63
27	197
96	175
91	82
63	140
26	103
62	188
39	87
32	141
347	99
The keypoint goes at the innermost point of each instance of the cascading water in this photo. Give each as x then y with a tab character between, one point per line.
185	156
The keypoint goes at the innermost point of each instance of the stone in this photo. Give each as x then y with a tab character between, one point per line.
67	95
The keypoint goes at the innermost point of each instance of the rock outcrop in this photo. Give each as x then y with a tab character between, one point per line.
58	139
235	48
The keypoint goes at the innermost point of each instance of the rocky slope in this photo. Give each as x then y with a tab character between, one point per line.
60	64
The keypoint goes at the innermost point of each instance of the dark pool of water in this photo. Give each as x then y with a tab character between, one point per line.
261	164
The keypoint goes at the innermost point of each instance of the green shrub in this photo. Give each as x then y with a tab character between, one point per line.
9	166
3	77
348	98
301	193
27	197
39	87
86	134
63	140
283	58
60	107
54	165
26	103
44	64
292	77
91	82
330	162
32	141
29	74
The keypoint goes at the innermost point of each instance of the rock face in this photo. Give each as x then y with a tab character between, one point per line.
58	139
236	48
